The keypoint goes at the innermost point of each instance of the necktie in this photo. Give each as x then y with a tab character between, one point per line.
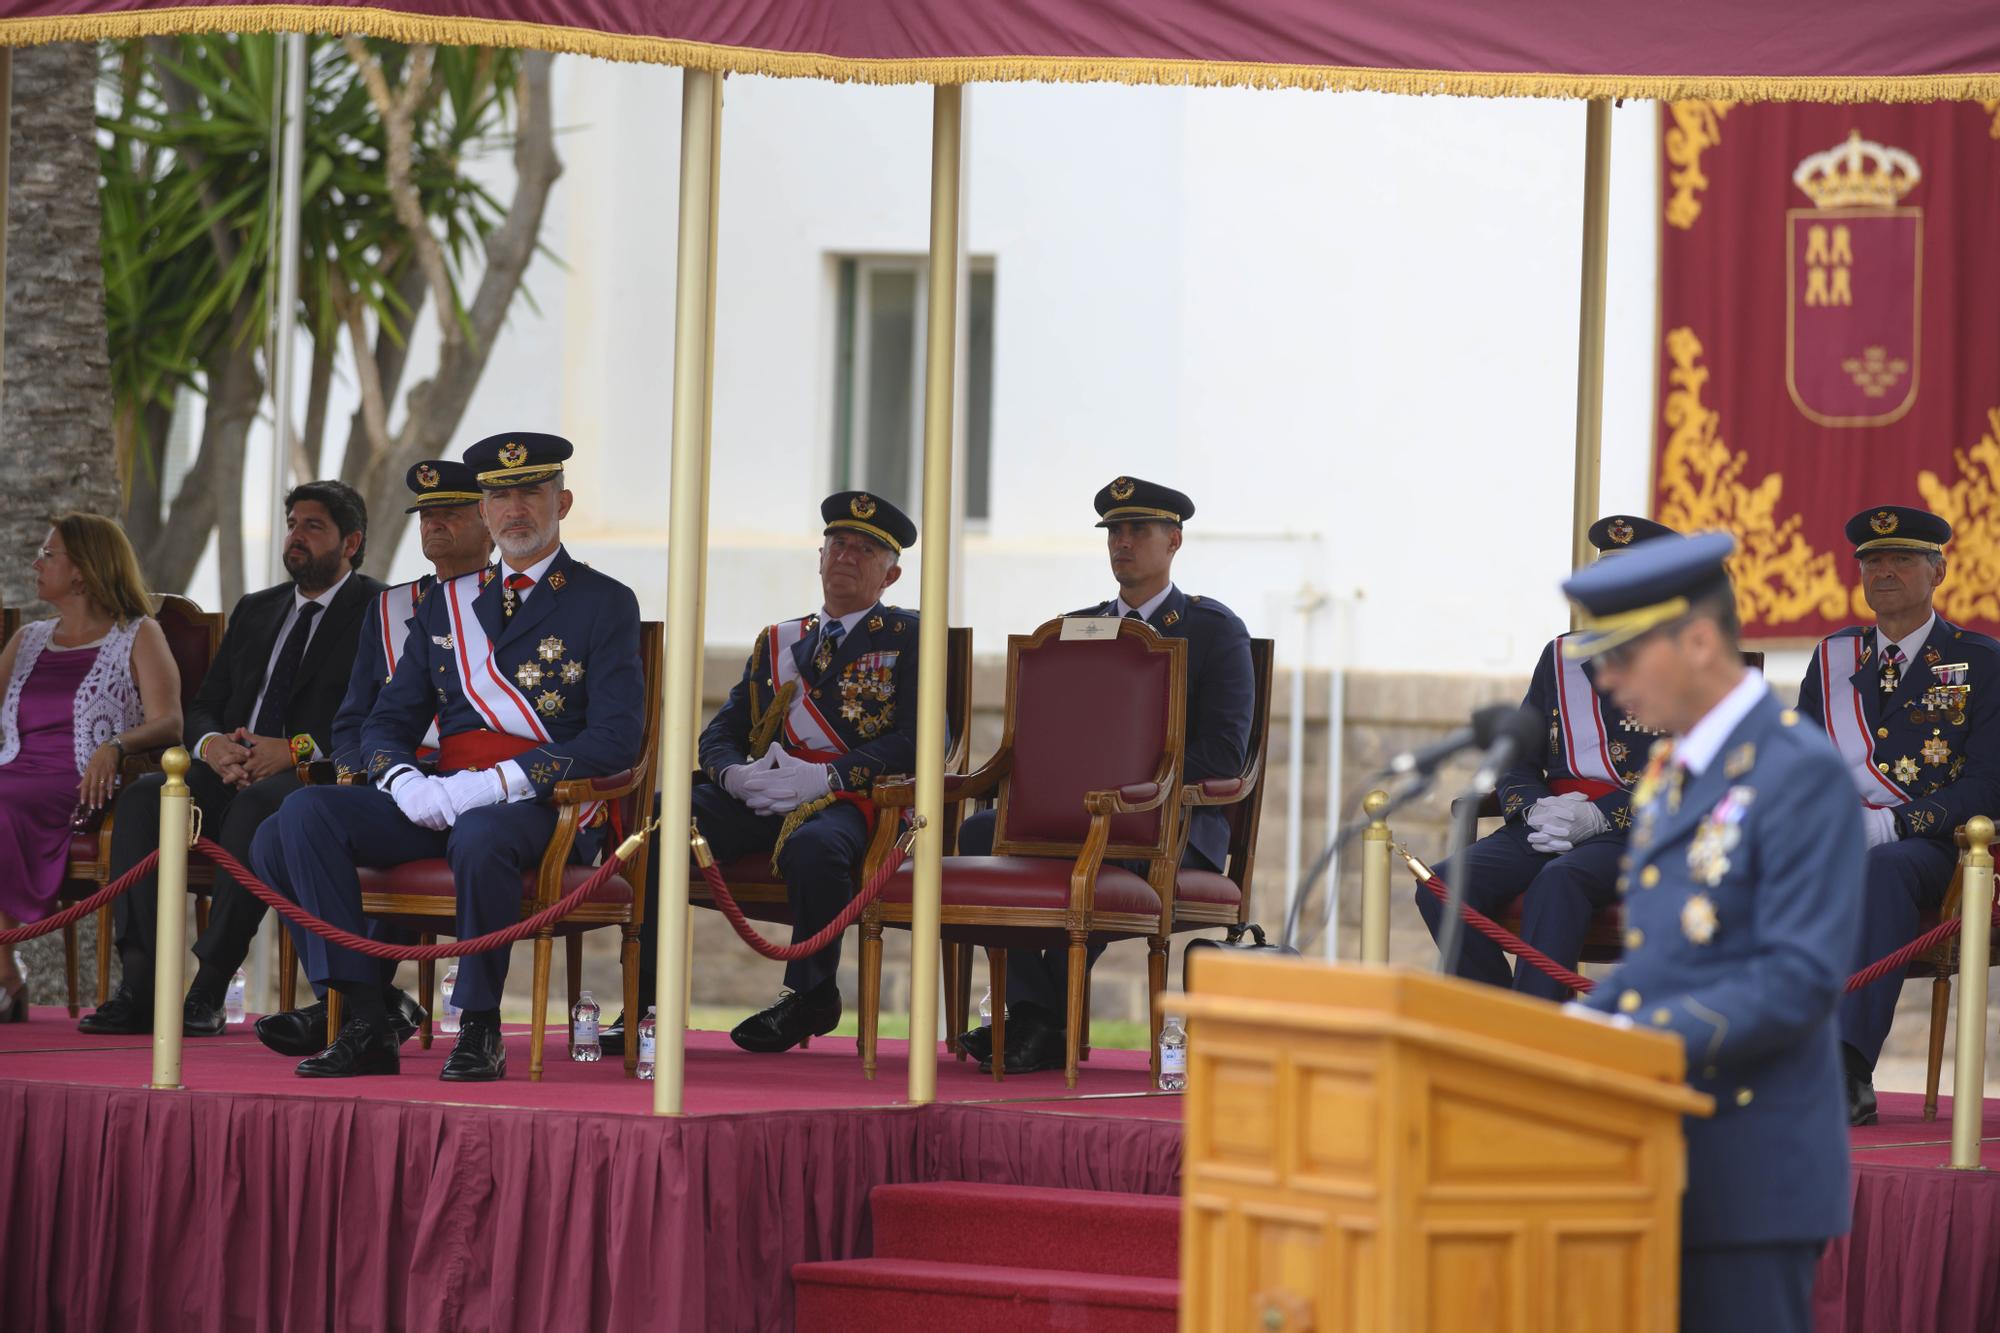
1133	614
829	644
270	720
510	594
1892	668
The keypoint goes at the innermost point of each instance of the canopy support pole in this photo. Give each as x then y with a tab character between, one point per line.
6	167
1590	327
700	109
933	642
284	313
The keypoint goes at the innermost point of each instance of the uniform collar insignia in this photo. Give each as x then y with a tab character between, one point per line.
1741	760
875	623
1171	618
555	580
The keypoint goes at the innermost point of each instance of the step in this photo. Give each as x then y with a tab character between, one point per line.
873	1295
1019	1226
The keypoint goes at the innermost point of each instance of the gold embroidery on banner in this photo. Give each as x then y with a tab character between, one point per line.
1875	372
1779	576
1972	506
1697	126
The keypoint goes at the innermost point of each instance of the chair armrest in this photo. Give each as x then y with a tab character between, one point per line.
579	791
1223	791
317	773
1134	797
901	793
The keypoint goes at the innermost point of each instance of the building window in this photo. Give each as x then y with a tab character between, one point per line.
878	392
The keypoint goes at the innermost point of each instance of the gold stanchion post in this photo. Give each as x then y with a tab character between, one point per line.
699	107
940	360
1975	950
170	936
1590	328
1375	880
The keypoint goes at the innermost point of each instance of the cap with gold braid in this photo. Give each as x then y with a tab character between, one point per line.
518	458
865	512
1654	583
1621	532
439	483
1131	500
1897	528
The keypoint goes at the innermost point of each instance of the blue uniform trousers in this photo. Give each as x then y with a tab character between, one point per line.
1903	879
1749	1288
818	863
1040	977
1559	895
267	862
327	832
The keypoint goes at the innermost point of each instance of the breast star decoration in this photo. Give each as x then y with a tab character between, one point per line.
550	649
1906	769
528	675
1698	919
1937	751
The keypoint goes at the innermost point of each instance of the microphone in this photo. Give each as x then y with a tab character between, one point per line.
1519	731
1488	725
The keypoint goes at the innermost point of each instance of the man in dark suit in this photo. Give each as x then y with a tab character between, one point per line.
530	670
1743	899
1142	524
1913	705
1566	808
266	705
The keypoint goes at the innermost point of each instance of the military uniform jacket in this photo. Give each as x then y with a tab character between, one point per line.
1221	694
228	693
568	659
380	649
861	709
1742	912
1588	738
1930	751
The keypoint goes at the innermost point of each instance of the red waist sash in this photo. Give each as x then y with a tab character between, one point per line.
479	749
859	799
1564	786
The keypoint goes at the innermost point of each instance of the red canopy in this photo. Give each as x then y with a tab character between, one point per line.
1832	50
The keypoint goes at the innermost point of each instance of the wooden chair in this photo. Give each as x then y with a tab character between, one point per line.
422	893
760	890
1087	773
193	635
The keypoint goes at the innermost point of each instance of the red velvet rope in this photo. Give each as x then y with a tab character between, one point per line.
419	953
1910	952
76	912
1514	944
834	929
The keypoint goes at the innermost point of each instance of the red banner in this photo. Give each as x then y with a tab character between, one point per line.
1830	341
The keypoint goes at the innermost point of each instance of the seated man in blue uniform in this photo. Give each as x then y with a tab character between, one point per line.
825	708
445	498
530	669
1913	705
1743	900
1142	524
1566	808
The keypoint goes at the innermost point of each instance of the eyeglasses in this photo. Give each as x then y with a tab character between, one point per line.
47	553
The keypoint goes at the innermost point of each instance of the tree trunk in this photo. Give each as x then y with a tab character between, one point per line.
57	451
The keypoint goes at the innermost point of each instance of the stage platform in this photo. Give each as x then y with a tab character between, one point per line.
258	1200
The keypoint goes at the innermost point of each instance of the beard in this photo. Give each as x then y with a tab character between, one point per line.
311	571
518	545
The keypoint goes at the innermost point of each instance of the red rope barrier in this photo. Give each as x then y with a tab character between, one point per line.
1515	945
421	953
77	911
833	930
1912	951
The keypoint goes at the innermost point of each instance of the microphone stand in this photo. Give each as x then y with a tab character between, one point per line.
1413	785
1464	824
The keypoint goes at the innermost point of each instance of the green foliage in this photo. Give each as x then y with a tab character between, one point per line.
186	133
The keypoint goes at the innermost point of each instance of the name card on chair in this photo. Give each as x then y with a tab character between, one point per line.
1089	627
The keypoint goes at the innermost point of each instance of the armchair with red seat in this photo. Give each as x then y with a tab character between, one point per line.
1087	776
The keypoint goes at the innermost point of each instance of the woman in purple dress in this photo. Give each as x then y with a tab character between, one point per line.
81	690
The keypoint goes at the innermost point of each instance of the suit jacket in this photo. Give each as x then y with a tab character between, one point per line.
1221	694
1743	914
866	697
571	651
228	693
1947	759
372	666
1625	743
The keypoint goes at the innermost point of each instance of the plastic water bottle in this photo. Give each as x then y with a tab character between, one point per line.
448	1015
646	1045
986	1008
1173	1054
232	999
583	1043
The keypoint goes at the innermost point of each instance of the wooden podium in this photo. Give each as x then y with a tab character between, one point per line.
1374	1150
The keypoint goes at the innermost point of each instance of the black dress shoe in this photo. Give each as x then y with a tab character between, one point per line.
612	1039
120	1016
1033	1045
199	1018
1860	1081
303	1031
790	1021
978	1044
479	1057
363	1047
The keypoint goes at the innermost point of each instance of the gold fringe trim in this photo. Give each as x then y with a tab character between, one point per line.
395	26
799	815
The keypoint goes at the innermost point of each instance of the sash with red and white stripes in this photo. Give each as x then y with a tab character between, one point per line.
806	728
396	608
1847	719
503	707
1586	747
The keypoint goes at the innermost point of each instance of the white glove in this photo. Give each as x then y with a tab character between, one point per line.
423	801
1561	822
736	778
1575	1009
469	789
788	784
1879	826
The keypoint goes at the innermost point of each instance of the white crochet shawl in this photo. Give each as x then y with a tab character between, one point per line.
107	702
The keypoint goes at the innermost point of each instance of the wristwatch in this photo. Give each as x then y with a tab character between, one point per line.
302	748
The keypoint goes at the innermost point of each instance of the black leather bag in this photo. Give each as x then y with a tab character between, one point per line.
1249	939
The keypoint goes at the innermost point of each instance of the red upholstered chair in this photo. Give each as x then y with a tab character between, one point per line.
1208	898
760	890
422	894
1086	773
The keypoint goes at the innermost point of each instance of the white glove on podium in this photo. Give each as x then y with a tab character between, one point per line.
423	800
1559	823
